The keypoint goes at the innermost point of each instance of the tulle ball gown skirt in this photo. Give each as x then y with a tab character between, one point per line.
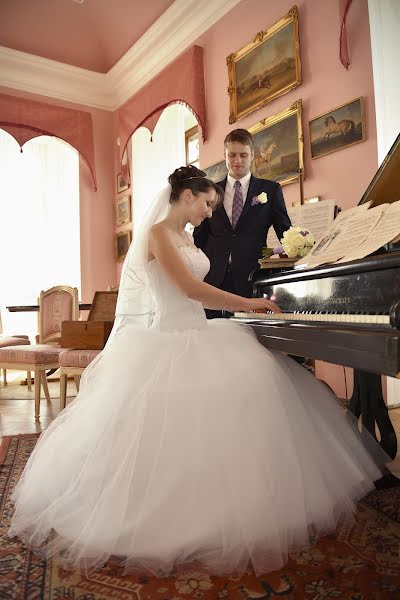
196	445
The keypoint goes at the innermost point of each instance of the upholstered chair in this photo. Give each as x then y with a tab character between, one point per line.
60	303
73	363
13	340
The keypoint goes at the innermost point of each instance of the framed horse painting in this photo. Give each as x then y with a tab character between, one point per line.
266	68
340	127
278	146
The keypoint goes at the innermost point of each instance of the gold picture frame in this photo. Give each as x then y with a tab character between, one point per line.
266	68
122	243
337	128
279	146
122	185
123	210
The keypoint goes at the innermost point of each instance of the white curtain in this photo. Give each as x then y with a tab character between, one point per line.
153	161
39	224
384	19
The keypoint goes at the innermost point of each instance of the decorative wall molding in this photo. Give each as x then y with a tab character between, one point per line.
179	27
30	73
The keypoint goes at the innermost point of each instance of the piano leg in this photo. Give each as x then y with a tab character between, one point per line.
367	401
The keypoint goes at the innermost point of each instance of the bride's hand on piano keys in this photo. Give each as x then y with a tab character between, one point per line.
262	305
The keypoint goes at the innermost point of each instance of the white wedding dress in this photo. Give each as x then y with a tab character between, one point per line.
189	441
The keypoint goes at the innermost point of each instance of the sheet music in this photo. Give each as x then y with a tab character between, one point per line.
350	212
386	230
346	233
316	217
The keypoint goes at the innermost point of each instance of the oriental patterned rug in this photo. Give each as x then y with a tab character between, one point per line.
360	562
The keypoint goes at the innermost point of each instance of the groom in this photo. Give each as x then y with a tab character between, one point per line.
235	234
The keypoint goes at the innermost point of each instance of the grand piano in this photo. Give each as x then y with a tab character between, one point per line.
347	314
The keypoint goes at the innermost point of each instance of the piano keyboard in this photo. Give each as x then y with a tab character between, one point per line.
315	317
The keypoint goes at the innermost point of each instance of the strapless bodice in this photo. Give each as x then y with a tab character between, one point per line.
171	309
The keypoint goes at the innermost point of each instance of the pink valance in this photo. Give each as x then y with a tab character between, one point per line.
26	119
181	82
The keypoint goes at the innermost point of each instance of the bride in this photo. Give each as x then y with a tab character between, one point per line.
189	441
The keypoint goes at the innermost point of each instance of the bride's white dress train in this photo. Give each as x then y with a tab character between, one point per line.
190	441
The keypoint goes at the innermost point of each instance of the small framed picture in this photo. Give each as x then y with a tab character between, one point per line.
122	243
123	213
338	128
311	200
122	185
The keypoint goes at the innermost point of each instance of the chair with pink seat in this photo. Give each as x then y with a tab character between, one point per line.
58	304
13	340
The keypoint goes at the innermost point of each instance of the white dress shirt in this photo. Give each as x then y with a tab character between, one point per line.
230	191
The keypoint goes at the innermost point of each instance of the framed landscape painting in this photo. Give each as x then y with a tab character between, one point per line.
217	172
338	128
266	68
278	151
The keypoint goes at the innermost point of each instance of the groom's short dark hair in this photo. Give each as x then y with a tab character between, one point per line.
242	136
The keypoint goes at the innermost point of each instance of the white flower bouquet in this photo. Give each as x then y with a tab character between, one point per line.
297	242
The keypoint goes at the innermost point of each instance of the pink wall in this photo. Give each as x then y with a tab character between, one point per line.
97	211
342	175
98	267
117	169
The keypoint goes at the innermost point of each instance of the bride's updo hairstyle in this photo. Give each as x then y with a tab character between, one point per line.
191	178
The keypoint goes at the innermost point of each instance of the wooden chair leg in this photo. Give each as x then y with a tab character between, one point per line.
4	376
63	390
45	386
77	382
37	377
29	380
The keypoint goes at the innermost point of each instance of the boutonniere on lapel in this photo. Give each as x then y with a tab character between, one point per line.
260	199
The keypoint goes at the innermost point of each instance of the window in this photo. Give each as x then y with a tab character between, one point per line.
39	224
192	146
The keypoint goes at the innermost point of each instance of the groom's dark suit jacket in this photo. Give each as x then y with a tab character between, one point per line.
217	238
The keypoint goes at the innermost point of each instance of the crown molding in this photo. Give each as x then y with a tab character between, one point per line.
179	27
175	31
30	73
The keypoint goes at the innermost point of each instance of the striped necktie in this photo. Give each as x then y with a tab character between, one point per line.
237	205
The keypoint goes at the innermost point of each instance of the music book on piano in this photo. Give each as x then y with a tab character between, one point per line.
355	236
316	217
364	229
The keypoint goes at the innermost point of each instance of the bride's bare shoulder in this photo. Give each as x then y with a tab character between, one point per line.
159	229
161	234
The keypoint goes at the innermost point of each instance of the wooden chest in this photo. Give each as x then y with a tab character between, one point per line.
93	333
85	335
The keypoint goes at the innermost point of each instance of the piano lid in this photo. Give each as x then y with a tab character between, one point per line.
385	185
